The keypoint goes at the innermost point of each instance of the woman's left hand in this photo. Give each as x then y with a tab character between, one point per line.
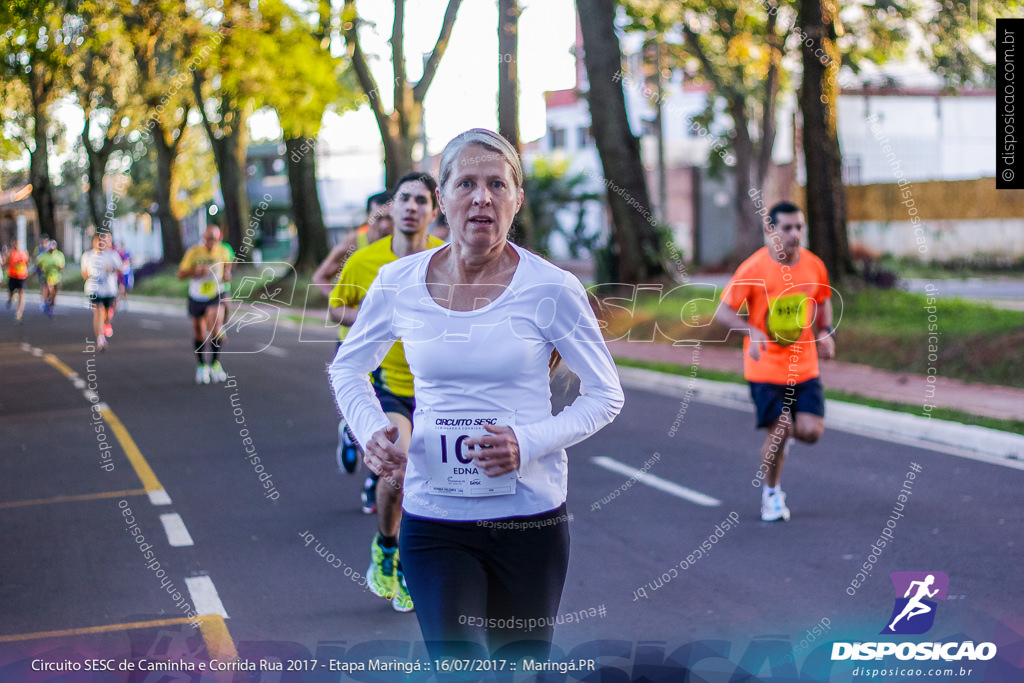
496	454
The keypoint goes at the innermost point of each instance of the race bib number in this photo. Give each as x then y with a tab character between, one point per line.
205	288
450	468
787	318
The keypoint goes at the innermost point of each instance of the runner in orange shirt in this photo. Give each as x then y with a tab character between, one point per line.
16	263
787	296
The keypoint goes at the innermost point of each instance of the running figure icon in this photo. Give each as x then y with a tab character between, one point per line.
915	607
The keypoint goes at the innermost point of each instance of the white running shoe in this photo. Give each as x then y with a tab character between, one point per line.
773	508
203	374
217	373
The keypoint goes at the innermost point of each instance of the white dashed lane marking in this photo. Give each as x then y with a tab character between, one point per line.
656	482
177	535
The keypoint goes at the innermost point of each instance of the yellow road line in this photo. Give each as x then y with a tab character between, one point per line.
55	362
72	499
219	644
145	473
142	468
94	629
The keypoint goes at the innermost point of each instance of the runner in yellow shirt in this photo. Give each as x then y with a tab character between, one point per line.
378	225
204	265
413	209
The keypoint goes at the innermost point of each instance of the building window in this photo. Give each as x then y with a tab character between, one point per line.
586	138
851	170
557	137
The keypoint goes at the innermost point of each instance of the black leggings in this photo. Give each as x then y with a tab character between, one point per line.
486	588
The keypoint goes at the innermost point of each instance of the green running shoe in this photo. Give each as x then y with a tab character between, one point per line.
380	577
402	602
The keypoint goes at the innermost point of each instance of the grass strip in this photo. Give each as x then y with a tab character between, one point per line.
950	414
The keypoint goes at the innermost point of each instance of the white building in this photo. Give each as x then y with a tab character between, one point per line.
924	133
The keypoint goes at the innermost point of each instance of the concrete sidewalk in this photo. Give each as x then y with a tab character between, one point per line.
977	399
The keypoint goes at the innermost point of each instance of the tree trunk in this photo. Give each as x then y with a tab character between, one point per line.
397	153
97	168
826	196
749	235
633	234
228	145
228	140
229	154
508	105
39	158
306	212
400	129
170	226
97	197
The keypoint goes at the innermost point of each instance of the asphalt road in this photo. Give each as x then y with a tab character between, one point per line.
271	563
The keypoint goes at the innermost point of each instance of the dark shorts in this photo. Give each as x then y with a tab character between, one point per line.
197	309
486	588
15	283
403	405
771	399
106	302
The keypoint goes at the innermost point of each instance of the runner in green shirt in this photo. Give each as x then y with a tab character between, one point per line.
51	263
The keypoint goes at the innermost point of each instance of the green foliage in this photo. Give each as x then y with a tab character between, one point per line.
551	189
191	181
162	37
875	32
885	312
887	329
37	40
306	79
16	122
103	69
976	265
39	37
958	39
163	283
956	36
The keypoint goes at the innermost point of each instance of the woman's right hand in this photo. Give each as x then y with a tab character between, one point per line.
381	455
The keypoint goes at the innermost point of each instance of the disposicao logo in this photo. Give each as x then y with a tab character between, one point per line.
914	613
916	595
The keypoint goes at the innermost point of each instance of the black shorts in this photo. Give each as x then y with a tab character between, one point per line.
197	309
15	283
403	405
487	587
771	399
106	302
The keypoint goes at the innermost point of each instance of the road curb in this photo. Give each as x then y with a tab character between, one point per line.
849	417
179	310
916	430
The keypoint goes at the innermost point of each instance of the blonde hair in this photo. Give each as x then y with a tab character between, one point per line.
487	139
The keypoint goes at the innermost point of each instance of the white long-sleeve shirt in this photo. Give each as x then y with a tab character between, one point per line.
492	361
